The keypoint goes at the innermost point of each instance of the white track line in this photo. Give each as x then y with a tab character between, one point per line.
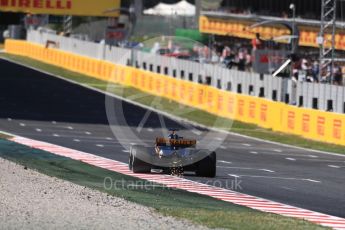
290	159
225	162
334	166
265	170
273	177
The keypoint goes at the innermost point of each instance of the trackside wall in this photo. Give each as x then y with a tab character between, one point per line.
313	124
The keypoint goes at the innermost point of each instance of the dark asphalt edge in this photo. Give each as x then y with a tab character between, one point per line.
173	117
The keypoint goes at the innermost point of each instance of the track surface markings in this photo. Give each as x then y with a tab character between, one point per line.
225	162
273	177
334	166
290	159
265	170
191	186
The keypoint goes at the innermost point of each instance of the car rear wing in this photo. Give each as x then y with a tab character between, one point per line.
175	142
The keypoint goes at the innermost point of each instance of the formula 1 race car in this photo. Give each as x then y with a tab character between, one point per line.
170	155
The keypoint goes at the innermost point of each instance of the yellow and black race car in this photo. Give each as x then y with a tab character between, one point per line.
171	155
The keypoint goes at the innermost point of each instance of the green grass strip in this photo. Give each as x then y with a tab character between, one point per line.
199	209
177	109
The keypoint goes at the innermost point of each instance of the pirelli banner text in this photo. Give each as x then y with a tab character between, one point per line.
63	7
313	124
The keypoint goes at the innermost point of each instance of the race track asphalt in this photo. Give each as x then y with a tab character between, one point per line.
41	107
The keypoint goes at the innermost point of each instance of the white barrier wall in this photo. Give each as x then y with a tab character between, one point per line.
85	48
303	94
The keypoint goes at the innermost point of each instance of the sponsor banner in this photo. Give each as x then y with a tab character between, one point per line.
240	111
291	121
321	126
238	28
263	112
220	103
62	7
230	105
337	127
252	110
306	121
308	35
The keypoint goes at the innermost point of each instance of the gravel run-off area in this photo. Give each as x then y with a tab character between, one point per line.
30	200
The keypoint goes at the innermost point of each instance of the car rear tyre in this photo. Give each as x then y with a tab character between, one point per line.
139	166
207	166
130	161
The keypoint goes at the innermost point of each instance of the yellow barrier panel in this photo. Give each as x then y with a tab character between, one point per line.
291	120
313	124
